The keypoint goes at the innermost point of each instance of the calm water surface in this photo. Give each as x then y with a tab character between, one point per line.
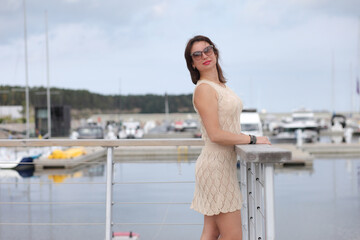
320	202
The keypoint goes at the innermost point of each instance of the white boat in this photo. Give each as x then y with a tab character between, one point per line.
337	129
11	158
190	125
303	120
131	130
250	123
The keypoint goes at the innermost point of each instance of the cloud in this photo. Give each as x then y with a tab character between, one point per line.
93	44
160	8
284	13
7	6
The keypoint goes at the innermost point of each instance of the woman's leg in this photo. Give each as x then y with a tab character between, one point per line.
229	225
210	230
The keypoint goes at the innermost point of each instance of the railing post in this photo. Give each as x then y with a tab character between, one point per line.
269	202
259	174
109	193
259	199
244	209
250	200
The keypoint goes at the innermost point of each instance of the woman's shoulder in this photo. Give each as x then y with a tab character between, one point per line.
204	94
205	86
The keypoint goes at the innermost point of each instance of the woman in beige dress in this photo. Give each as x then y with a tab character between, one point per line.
217	194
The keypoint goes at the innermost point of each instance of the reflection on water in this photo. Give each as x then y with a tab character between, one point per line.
311	203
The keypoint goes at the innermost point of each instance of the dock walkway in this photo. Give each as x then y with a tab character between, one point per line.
326	150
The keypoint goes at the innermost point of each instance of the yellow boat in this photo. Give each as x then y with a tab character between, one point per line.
67	154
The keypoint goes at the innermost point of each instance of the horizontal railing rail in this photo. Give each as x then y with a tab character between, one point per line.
256	181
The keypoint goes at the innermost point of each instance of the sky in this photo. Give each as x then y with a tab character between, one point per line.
277	55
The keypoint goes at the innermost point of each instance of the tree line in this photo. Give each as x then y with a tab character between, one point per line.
83	99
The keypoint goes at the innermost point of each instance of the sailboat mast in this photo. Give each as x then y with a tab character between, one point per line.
166	108
48	78
351	91
26	77
333	83
358	61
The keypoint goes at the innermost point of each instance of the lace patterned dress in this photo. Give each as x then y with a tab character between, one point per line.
216	184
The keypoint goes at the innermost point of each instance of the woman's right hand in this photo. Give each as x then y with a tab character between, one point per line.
262	140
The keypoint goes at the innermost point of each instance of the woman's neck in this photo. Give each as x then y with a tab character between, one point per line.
210	75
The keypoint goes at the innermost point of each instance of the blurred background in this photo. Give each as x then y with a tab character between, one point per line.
116	70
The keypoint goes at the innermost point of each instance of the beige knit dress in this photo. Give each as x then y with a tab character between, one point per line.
216	183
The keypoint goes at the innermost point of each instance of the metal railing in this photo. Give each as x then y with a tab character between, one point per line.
256	178
257	187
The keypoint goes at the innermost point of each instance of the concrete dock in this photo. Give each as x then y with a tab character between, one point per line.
299	156
333	150
92	154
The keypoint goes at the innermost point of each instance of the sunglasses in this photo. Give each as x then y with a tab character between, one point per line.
198	54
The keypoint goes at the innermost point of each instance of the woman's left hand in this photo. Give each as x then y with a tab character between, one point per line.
262	140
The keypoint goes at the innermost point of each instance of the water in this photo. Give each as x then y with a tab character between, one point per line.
323	203
320	202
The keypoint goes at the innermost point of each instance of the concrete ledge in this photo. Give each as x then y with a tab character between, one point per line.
262	153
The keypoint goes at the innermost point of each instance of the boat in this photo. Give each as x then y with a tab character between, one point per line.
131	129
149	125
190	125
354	124
178	126
111	130
250	122
10	158
125	236
26	163
338	125
88	132
303	120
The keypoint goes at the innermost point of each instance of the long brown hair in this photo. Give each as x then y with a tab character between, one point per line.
195	74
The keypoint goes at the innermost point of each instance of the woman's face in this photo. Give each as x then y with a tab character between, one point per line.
203	56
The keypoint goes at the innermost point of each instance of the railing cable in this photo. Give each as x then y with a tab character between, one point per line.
92	224
83	203
119	183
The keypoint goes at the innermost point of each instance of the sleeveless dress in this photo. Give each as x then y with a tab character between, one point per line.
216	184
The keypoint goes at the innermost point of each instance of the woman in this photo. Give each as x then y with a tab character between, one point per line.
217	194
